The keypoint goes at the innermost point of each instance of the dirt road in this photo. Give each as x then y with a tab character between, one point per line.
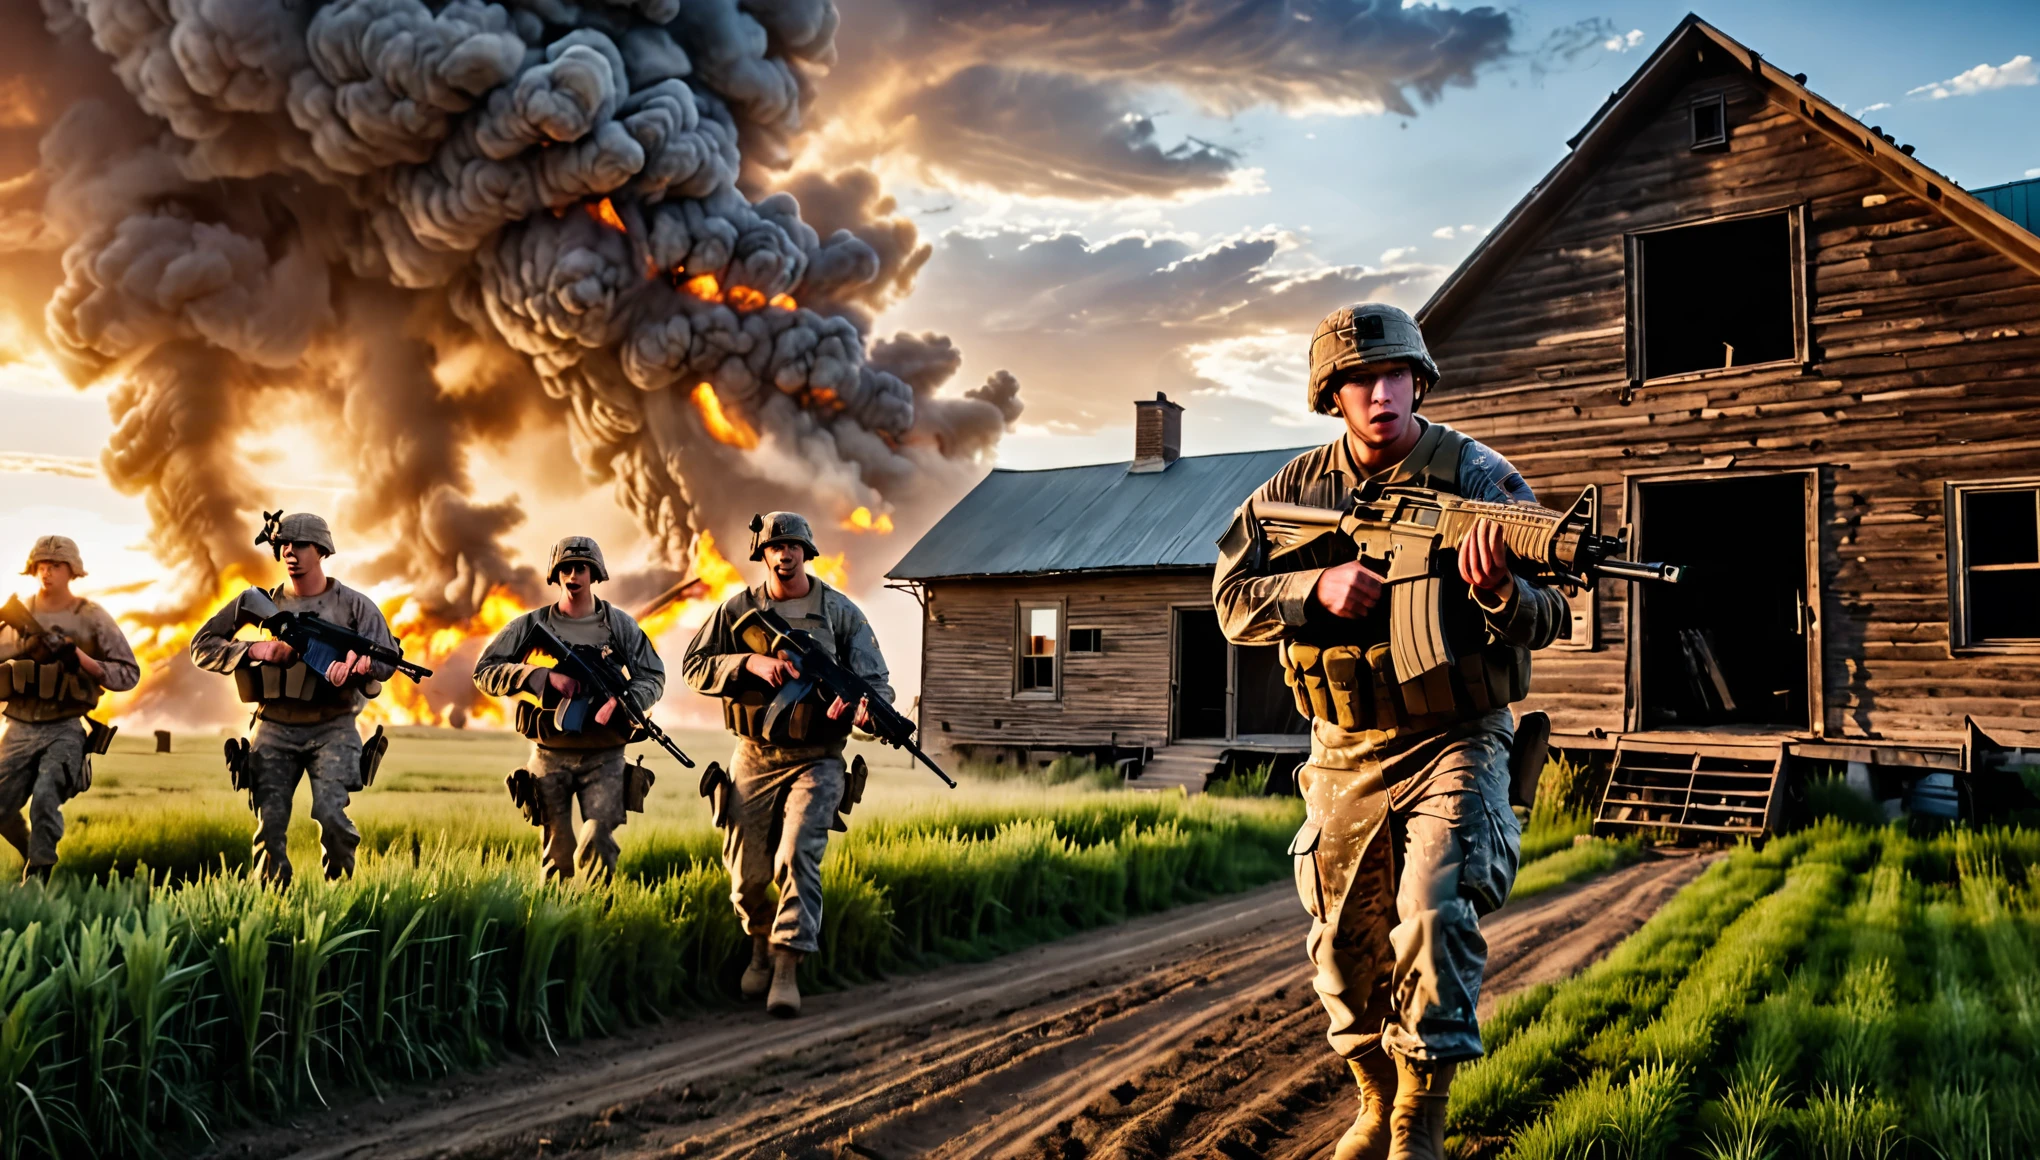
1193	1033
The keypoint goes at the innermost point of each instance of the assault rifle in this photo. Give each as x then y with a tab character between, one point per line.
1417	532
765	632
318	640
600	680
44	645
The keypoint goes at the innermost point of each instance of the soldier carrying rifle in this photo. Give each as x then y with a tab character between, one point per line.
304	718
787	782
60	652
577	732
1408	838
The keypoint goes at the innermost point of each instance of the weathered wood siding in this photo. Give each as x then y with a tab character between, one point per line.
967	658
1926	367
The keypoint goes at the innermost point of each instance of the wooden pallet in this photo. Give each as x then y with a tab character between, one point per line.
1708	790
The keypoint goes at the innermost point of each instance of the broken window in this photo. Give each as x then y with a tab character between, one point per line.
1040	631
1996	559
1087	640
1714	296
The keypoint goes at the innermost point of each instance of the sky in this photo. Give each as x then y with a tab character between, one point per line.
1117	205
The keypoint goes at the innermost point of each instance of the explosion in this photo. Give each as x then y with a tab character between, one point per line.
423	229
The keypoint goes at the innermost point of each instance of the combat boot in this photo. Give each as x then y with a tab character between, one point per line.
785	997
758	976
1417	1119
1367	1139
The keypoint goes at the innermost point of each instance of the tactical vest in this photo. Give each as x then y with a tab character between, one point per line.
807	723
45	692
1346	674
293	694
539	723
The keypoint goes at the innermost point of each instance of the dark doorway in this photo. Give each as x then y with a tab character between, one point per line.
1262	702
1727	645
1199	677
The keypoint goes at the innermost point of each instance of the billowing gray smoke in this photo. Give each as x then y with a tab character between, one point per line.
421	227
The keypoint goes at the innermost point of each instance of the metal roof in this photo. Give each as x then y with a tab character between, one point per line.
1086	519
2017	200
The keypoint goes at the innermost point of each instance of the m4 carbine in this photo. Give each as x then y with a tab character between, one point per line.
318	640
45	646
766	633
1417	532
600	679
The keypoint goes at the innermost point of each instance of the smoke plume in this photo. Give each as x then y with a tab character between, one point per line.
396	232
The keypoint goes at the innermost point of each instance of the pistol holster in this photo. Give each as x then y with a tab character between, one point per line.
99	736
372	751
1527	756
721	793
853	792
524	795
637	784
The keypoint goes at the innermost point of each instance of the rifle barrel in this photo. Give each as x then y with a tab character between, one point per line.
1634	570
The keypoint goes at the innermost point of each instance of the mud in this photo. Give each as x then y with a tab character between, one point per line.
1193	1033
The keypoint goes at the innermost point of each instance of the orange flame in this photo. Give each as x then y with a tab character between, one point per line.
832	571
783	302
704	287
730	430
605	212
862	520
158	640
430	642
715	580
744	298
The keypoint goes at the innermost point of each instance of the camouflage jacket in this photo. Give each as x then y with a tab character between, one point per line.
97	635
214	649
715	658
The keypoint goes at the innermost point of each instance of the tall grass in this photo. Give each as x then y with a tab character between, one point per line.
139	1014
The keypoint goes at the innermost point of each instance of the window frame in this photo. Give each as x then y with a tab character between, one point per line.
1955	517
1070	632
1802	296
1021	609
1719	102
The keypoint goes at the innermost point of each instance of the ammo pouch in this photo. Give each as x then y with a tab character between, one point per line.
524	795
30	680
721	793
372	751
853	792
1355	687
542	725
807	723
98	737
637	783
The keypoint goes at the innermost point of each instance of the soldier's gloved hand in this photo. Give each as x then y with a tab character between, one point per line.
1484	558
273	652
863	718
607	711
1348	590
562	684
774	671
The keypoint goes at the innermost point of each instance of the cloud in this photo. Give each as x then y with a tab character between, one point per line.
1624	42
1390	257
1447	233
2033	172
29	463
1059	97
1872	108
2014	73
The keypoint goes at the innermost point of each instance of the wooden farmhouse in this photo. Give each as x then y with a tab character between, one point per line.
1786	353
1794	357
1068	611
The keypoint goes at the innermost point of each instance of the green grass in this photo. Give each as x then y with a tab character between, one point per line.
1573	863
140	1014
1845	992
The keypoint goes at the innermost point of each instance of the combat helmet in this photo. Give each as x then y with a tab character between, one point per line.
577	550
781	528
1371	332
296	528
55	550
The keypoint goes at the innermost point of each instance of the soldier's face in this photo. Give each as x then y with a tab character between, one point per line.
301	559
785	560
52	573
575	579
1378	402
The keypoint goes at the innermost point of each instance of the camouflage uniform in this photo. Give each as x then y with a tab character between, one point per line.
785	795
1408	837
586	766
42	751
305	725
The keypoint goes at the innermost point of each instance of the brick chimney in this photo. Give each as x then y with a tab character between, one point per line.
1157	433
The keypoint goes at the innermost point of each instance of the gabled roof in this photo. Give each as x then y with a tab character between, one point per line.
1695	43
1091	519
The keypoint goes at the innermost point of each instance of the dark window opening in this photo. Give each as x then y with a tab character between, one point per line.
2001	565
1200	674
1087	640
1716	296
1039	631
1710	122
1727	644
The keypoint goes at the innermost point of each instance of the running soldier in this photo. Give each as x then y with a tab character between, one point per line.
1408	838
571	763
304	720
50	679
786	790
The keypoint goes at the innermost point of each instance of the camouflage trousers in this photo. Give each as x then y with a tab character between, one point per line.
594	778
1396	880
785	800
42	765
330	754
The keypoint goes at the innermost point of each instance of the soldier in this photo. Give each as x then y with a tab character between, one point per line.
305	720
586	764
1408	837
786	790
49	683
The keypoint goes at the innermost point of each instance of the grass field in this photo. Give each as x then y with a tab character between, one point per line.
1844	992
